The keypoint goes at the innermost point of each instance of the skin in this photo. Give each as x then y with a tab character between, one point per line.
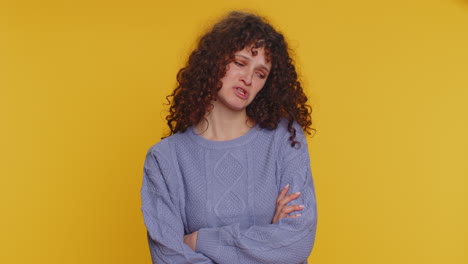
245	77
247	73
228	119
282	209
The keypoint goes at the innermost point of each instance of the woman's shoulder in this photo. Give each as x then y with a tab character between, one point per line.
283	128
164	145
283	136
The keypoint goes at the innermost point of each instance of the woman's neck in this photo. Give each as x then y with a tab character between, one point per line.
224	125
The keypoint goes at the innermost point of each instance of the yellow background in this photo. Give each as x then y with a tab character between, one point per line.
81	100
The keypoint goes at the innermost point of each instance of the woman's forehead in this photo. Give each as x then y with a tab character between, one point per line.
254	50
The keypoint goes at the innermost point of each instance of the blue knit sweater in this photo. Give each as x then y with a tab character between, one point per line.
227	190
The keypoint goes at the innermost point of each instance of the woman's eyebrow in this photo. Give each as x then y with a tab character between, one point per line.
244	57
249	59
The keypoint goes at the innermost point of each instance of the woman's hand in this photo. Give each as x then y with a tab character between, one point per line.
282	210
191	240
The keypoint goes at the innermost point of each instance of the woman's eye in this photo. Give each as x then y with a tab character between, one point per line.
261	75
238	63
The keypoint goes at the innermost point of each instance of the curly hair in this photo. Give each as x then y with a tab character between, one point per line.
199	81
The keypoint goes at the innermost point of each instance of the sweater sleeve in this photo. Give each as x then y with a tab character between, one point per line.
290	240
162	214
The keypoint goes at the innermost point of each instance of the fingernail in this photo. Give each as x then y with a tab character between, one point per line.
287	186
298	193
298	215
301	206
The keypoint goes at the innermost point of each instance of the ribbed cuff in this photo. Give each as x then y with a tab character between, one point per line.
208	242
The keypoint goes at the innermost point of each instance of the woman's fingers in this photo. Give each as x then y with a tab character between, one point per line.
280	214
280	204
282	210
288	199
291	208
282	194
294	216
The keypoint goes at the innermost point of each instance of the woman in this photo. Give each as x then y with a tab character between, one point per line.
232	183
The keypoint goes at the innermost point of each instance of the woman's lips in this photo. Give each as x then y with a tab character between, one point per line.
241	92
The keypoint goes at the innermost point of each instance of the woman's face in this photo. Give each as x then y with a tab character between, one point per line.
245	77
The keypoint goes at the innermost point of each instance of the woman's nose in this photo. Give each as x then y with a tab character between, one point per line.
247	77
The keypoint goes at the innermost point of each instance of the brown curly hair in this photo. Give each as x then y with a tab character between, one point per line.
199	81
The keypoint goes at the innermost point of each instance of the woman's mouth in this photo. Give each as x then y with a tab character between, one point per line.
241	93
